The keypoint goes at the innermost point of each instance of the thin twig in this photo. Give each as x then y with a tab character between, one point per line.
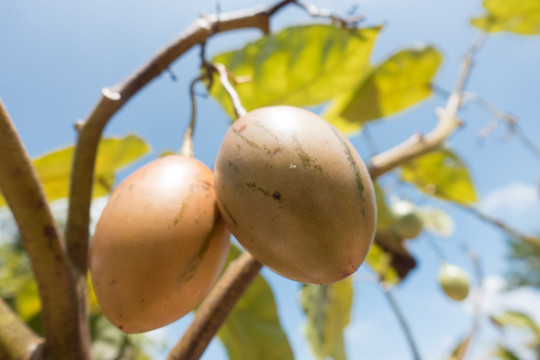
63	315
530	239
401	319
344	22
502	116
112	99
17	340
418	144
215	308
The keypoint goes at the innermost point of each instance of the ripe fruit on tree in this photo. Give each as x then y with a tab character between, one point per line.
296	194
454	281
407	223
159	245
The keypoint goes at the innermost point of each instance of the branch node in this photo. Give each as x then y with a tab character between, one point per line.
111	94
79	123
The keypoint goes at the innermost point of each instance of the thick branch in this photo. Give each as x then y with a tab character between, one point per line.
42	242
215	308
17	340
113	99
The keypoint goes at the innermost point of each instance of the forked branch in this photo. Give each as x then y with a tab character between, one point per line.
64	328
114	98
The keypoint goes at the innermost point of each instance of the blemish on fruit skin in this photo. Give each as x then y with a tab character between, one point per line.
196	260
355	167
253	186
242	128
306	159
233	166
252	144
267	130
276	195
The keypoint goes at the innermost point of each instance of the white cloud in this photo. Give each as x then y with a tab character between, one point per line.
516	198
517	204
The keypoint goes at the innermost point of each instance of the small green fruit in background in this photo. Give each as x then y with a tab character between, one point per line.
408	223
454	281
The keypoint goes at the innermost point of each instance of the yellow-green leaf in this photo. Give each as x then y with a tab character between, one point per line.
381	262
300	65
399	82
441	173
517	16
252	330
517	319
27	301
504	353
113	153
385	218
328	311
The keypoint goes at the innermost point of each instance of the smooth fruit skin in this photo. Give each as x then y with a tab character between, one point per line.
159	245
454	281
296	194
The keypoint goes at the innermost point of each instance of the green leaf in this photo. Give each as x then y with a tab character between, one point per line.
252	330
27	301
517	319
380	261
436	221
401	81
300	66
517	16
441	173
328	310
385	217
54	169
504	353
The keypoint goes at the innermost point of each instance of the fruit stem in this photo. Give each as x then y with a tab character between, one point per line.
239	109
187	143
216	307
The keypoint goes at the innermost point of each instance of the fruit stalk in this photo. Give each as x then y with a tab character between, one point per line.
214	309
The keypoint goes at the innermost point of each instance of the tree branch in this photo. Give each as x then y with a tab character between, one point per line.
17	340
62	317
113	99
418	144
215	308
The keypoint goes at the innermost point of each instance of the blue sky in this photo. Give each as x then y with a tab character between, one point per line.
57	55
